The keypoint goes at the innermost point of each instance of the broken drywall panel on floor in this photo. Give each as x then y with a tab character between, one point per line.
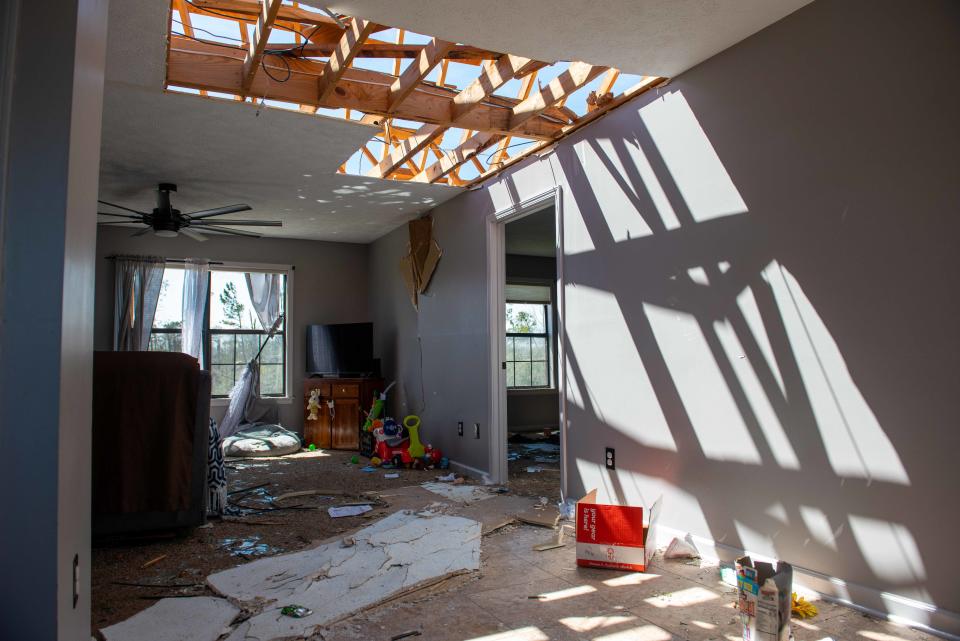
401	551
201	618
464	494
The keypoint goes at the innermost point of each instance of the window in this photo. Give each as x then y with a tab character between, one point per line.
233	334
529	322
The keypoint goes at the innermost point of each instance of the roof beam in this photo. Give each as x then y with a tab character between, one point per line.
343	55
455	158
248	9
494	76
406	150
576	76
217	68
428	58
268	13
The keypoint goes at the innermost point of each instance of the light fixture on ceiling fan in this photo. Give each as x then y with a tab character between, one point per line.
167	222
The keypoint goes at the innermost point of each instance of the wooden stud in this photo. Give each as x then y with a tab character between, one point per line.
576	76
406	150
250	9
251	65
453	159
206	66
341	58
525	88
421	66
396	63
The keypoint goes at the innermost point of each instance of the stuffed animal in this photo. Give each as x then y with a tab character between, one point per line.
313	405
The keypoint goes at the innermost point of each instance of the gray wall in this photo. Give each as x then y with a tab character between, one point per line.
329	286
51	93
761	280
535	409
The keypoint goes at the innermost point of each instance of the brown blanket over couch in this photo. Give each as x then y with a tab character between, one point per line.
150	416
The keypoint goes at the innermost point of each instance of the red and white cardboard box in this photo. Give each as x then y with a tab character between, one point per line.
614	536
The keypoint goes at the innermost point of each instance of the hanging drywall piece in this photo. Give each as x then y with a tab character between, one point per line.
400	552
424	253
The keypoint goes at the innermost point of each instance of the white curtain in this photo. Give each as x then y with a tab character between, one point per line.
265	291
265	295
195	284
137	284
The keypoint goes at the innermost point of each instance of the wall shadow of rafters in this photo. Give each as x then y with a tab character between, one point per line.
735	253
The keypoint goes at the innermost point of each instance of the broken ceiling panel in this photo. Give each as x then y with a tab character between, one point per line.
403	551
201	618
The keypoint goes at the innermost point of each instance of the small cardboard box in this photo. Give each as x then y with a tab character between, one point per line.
614	536
763	599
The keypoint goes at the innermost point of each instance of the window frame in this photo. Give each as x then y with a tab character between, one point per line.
208	332
548	335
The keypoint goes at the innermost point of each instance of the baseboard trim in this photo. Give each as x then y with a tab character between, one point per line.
884	605
467	470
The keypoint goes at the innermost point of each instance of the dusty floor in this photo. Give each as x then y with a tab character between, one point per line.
518	595
188	560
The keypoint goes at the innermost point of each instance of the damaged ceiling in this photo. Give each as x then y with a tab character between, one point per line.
282	163
662	37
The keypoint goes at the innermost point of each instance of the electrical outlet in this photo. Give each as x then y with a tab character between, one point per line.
611	459
476	430
459	428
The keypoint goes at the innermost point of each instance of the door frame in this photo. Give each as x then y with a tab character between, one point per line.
496	327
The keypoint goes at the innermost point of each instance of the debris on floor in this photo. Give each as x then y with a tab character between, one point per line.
540	516
460	493
682	548
201	618
394	554
341	511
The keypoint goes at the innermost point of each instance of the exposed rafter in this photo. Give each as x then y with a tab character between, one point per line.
342	56
406	150
317	72
261	34
428	58
576	76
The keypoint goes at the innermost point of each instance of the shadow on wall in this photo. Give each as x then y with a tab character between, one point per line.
776	371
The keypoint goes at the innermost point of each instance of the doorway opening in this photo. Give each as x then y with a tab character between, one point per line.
526	348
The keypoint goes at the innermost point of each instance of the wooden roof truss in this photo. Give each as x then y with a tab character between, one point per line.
318	71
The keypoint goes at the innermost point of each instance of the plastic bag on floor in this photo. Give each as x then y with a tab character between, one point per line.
682	549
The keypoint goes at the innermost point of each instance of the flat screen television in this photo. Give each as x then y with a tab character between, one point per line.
340	350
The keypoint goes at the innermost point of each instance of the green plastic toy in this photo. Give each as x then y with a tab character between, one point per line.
376	409
354	459
312	448
416	449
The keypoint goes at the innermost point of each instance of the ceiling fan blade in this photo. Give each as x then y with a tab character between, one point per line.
233	232
142	232
104	213
103	202
248	223
186	231
219	211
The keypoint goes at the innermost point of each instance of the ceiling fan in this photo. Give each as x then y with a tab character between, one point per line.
167	222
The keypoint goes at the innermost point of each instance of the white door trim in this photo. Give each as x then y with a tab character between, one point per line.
496	325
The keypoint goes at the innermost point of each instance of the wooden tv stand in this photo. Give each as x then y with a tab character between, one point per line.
338	427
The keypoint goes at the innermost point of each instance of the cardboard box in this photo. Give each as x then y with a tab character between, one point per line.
763	599
614	536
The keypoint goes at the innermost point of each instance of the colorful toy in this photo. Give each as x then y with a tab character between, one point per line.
401	445
375	461
354	459
415	449
376	408
313	405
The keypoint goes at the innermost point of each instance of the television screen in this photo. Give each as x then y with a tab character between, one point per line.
340	349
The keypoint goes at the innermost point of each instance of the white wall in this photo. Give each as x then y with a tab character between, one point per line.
761	301
51	93
329	286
